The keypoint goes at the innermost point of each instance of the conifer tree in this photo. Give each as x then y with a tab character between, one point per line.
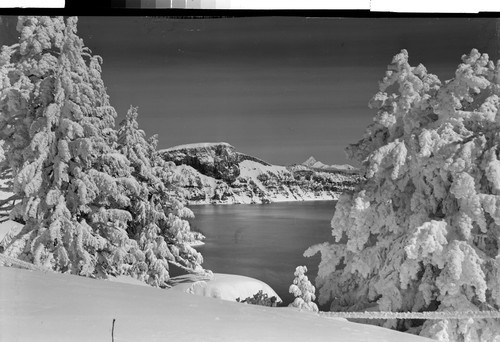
303	291
158	223
57	126
422	231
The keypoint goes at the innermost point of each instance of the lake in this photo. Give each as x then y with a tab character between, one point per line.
263	241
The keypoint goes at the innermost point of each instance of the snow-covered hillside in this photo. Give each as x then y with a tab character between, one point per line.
39	306
216	173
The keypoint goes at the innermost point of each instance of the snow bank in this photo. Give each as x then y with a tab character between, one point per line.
57	307
227	287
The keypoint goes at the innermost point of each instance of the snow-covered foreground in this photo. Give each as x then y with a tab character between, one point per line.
37	306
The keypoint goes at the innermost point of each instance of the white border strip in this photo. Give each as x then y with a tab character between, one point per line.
32	3
421	6
435	6
301	4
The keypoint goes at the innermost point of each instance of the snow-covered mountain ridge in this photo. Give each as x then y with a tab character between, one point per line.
314	164
216	173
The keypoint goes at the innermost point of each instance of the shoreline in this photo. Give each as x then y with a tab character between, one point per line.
198	203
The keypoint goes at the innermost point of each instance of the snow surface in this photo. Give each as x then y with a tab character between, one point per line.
194	146
125	279
37	306
251	169
227	287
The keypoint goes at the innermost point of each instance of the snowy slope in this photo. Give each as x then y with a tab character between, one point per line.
260	183
250	187
53	307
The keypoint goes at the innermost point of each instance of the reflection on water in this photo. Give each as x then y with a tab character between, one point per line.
263	241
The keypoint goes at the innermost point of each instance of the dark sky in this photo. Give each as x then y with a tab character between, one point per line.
280	88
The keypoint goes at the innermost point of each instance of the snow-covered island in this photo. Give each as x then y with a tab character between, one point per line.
216	173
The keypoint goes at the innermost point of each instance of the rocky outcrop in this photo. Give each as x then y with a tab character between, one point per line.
216	173
217	160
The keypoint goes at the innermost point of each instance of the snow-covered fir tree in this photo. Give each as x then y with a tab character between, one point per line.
303	291
58	130
422	231
158	223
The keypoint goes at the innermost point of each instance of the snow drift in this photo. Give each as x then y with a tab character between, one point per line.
59	307
227	287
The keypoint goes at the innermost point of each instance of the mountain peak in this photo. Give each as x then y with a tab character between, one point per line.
310	161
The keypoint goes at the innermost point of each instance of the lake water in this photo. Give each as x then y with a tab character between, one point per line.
263	241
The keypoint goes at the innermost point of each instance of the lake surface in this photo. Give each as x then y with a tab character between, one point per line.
263	241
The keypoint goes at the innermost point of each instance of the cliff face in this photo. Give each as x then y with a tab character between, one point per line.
216	173
217	160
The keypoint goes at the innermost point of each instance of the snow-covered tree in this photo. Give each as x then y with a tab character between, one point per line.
422	231
158	223
303	291
58	130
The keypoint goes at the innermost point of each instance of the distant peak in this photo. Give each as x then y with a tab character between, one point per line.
310	161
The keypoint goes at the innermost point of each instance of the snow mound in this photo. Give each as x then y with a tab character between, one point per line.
55	307
227	287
